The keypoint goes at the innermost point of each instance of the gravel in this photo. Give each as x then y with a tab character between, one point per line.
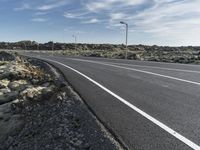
40	111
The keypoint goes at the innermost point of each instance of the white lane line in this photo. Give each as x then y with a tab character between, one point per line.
144	114
144	66
142	71
161	68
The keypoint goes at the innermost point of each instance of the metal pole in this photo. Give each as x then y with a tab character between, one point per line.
38	46
75	41
52	45
24	46
126	41
126	24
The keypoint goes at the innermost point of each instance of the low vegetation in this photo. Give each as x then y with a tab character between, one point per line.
135	52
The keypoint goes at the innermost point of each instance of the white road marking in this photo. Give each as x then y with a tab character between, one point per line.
161	68
145	66
144	114
142	71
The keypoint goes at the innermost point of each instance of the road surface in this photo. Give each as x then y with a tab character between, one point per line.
147	105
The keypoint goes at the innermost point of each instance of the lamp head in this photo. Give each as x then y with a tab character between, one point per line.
122	22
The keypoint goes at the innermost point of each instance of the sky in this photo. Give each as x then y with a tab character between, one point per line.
151	22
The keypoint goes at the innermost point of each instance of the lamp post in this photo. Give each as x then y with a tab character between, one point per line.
24	46
52	46
38	46
75	40
126	24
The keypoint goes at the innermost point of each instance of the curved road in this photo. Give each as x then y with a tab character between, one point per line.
147	105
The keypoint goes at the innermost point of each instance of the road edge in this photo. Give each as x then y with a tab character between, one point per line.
109	133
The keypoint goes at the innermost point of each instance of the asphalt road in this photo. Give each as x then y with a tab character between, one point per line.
147	105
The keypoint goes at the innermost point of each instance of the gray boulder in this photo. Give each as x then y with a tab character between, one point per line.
18	85
5	98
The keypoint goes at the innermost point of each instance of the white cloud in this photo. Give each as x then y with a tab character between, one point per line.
177	20
70	15
117	16
92	21
39	20
79	15
98	5
171	19
95	6
50	6
174	20
24	6
171	15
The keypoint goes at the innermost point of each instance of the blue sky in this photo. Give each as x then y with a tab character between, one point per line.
160	22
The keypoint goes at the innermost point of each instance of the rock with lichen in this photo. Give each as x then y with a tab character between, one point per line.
18	85
32	93
4	83
20	82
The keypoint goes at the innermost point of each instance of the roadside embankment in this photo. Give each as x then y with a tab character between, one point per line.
39	110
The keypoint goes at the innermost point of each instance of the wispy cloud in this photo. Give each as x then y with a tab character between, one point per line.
38	19
24	6
53	5
177	20
70	15
117	16
92	21
170	16
79	15
98	5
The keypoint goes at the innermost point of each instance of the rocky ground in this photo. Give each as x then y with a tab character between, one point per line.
186	55
38	112
181	54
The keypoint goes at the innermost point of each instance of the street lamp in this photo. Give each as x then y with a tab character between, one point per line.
126	24
38	46
25	46
75	40
52	46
